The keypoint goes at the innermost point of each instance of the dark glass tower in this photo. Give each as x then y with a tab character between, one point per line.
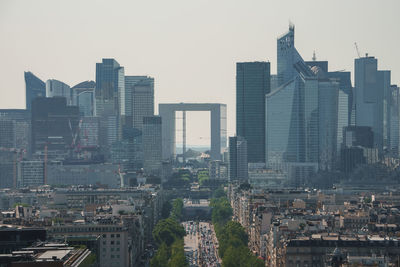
110	101
34	87
252	84
54	124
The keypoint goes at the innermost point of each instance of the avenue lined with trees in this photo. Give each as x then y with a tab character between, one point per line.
231	236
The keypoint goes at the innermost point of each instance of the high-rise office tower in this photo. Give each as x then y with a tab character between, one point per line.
328	96
394	146
345	103
289	61
110	101
372	91
8	170
83	93
302	113
152	145
54	126
238	164
252	84
58	88
7	133
292	123
34	87
22	121
139	100
89	132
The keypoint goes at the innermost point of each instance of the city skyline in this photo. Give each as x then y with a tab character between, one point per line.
177	54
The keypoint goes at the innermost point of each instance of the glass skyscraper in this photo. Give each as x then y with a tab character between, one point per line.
110	101
345	103
139	99
252	84
34	87
58	88
290	63
84	97
372	95
152	145
302	113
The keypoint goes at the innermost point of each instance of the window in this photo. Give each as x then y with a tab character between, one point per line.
112	242
112	256
112	235
118	242
104	235
118	235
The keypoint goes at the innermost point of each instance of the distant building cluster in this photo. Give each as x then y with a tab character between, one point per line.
307	119
90	133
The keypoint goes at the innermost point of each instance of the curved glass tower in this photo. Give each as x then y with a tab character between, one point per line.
34	87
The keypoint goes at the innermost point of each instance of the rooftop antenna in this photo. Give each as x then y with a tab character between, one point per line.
358	51
314	57
291	26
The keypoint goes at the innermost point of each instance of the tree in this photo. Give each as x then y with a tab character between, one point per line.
221	212
219	192
167	230
177	207
166	209
178	258
161	257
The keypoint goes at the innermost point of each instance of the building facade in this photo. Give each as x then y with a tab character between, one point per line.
110	101
34	87
372	88
83	93
238	162
252	84
139	99
54	126
152	145
60	89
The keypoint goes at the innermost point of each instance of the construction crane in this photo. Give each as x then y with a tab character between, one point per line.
358	51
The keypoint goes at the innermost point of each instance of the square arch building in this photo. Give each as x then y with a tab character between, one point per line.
218	126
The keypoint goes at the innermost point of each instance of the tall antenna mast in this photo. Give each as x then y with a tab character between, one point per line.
314	57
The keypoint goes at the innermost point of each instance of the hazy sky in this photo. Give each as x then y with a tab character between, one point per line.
189	47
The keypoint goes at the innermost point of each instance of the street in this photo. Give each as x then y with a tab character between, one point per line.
201	246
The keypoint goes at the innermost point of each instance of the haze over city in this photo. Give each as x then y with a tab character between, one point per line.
199	133
189	47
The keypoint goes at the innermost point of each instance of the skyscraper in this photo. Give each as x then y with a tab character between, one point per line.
302	113
58	88
7	133
345	103
290	63
139	99
394	146
252	84
22	120
372	90
238	164
83	93
54	125
34	87
110	101
152	145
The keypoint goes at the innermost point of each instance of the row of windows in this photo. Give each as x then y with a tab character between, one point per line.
112	242
112	235
112	250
